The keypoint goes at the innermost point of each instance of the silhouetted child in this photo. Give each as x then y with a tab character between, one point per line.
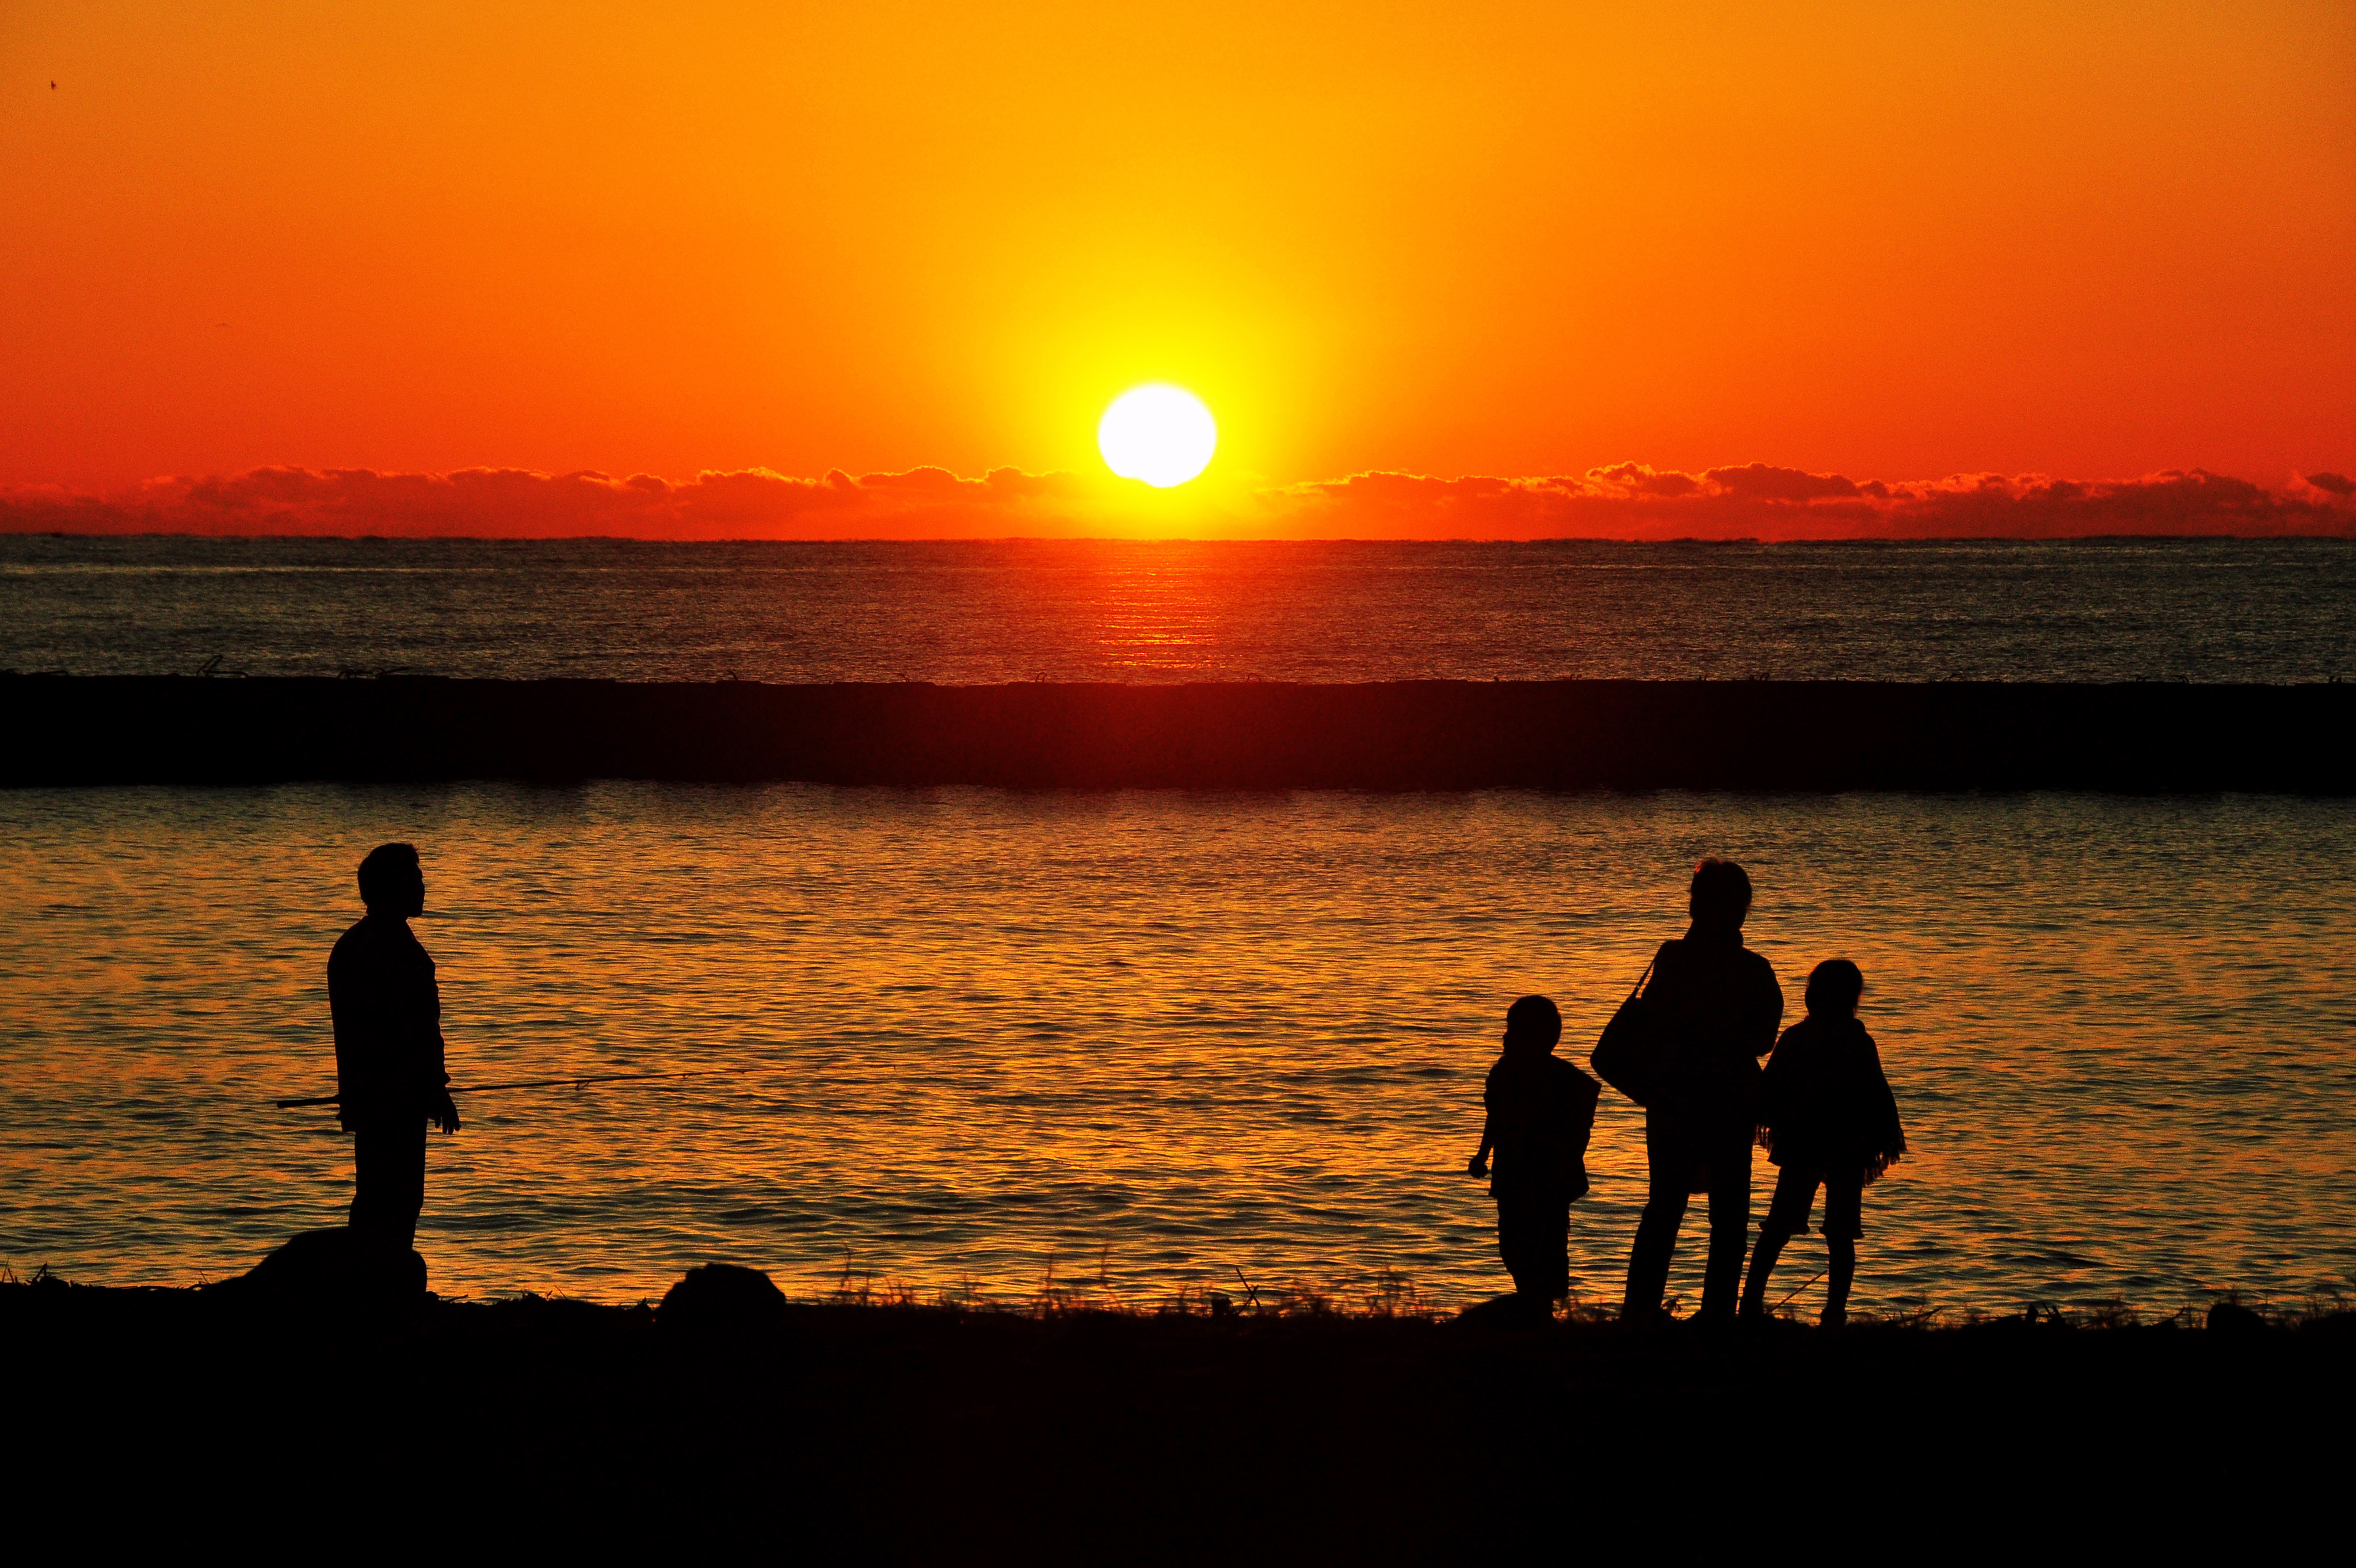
1826	1117
1541	1110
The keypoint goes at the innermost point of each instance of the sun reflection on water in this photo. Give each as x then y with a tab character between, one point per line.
1167	1035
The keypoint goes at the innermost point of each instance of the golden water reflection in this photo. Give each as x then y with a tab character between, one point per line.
962	1033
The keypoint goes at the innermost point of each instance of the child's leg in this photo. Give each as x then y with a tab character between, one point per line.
1843	1273
1511	1246
1787	1216
1533	1236
1762	1264
1844	1222
1557	1280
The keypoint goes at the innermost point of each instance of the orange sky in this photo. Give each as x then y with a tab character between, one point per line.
1480	239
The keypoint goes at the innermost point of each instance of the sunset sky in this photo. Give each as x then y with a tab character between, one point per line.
1495	241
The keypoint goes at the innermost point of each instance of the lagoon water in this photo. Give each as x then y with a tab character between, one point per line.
1151	1041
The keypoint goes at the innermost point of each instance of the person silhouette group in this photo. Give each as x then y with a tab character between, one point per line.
1709	1009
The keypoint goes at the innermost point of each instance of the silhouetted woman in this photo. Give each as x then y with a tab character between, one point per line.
1715	1010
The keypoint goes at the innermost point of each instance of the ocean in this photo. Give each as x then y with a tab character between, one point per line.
2094	610
1126	1044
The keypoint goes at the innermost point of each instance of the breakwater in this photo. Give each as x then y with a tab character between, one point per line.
1397	735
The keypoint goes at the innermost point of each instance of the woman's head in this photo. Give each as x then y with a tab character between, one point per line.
1720	895
1833	987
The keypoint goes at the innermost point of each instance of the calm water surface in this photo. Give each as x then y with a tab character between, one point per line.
1159	1038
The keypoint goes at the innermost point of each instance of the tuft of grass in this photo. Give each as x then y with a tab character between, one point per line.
1391	1293
860	1288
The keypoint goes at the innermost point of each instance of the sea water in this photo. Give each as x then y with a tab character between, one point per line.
1144	1043
2102	609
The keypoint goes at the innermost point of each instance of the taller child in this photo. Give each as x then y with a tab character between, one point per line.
1717	1007
1826	1117
389	1072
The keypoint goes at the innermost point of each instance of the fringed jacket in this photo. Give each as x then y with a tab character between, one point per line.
1825	1105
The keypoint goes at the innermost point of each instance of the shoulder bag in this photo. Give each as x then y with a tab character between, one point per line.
1627	1056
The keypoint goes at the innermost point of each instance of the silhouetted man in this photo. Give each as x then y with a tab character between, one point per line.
389	1072
1717	1008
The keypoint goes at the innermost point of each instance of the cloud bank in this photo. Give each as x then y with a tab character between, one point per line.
1628	500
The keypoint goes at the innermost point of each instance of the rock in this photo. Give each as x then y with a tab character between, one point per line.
1506	1312
331	1269
2233	1317
721	1299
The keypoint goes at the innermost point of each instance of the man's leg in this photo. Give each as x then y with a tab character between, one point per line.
389	1179
1670	1169
369	1185
1730	1223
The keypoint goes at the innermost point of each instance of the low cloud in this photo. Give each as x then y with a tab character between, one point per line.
1760	501
1627	500
509	503
1760	481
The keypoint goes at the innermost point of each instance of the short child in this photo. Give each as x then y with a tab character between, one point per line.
1826	1118
1541	1112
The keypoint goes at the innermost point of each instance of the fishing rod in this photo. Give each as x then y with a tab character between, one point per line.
1787	1300
523	1084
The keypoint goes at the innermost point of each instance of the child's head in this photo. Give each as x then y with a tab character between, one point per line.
1833	987
1532	1024
1720	895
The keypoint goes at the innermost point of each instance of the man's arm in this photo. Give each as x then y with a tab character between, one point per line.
442	1110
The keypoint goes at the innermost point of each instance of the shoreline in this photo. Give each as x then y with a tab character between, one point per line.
899	1434
1796	736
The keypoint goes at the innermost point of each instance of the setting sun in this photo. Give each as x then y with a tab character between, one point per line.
1159	433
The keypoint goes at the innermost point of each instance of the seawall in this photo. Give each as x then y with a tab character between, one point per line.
1405	735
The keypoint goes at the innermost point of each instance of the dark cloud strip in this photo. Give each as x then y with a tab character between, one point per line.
1627	500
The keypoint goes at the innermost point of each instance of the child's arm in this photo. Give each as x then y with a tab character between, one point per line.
1582	1114
1893	1132
1479	1164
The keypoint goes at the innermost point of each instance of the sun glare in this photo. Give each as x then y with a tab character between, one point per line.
1159	433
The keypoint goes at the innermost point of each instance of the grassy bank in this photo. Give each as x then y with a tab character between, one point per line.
915	1433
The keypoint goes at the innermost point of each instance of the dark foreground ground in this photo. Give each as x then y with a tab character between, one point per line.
898	1433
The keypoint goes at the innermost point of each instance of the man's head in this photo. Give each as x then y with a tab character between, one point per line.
1721	896
1834	987
391	882
1533	1024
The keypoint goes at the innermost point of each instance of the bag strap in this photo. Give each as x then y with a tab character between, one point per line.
1643	978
